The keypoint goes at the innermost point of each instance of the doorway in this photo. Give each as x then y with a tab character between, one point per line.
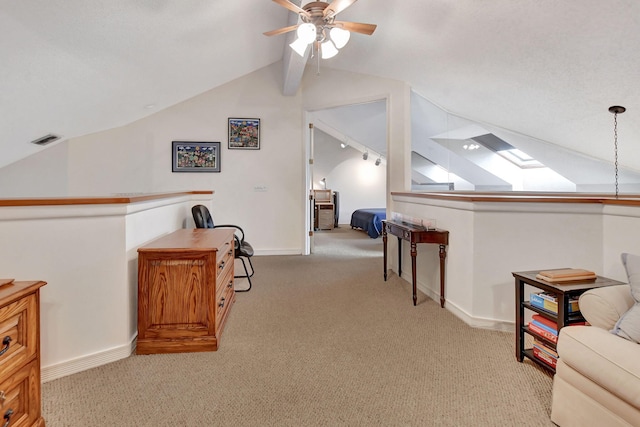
348	146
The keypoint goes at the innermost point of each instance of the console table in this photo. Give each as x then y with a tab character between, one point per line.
415	234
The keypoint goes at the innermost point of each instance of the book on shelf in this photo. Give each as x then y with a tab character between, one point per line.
549	302
545	347
547	328
545	357
551	336
566	275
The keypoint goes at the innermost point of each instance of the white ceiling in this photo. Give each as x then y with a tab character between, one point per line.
544	68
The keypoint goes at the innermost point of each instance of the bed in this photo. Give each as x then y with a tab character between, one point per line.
369	220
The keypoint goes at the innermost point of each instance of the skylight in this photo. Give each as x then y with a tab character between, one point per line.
520	158
508	151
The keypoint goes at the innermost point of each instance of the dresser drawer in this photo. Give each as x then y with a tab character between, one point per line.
223	305
20	396
224	282
18	333
224	260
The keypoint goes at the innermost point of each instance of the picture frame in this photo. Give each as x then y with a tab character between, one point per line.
244	134
195	156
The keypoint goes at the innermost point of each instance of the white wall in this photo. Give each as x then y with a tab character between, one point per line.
43	174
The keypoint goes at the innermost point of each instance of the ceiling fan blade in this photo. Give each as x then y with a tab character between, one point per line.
356	27
280	30
292	7
337	6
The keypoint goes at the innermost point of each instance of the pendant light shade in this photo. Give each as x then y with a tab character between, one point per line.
328	50
306	33
340	37
299	46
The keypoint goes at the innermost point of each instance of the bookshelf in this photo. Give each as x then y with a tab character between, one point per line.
563	293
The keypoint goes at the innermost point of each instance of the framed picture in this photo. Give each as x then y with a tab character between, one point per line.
244	134
189	156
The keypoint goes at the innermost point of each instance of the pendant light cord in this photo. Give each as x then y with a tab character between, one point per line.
615	147
616	109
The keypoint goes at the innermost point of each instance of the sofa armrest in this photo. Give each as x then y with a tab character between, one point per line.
602	307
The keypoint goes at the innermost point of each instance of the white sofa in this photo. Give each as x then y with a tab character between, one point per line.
597	381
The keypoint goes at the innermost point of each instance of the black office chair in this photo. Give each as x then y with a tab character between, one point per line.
242	248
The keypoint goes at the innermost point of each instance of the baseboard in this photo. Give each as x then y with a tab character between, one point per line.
59	370
474	322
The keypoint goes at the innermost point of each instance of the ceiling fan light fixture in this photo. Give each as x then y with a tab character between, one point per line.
340	37
306	32
328	50
299	46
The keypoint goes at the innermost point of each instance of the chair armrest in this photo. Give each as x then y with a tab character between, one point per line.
602	307
237	227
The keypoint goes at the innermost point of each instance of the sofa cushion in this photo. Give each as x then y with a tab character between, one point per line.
603	358
603	307
629	324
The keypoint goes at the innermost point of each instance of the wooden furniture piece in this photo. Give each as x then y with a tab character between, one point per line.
20	395
185	290
563	293
414	235
324	210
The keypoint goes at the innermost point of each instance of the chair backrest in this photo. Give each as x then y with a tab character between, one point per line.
201	216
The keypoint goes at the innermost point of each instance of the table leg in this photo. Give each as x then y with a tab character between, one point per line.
519	320
399	257
414	253
443	255
384	251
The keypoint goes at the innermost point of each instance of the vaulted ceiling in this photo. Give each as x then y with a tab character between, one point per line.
544	68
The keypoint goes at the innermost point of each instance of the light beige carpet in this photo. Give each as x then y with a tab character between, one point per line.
320	340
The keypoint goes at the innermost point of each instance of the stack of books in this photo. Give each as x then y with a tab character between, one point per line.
547	329
567	275
549	302
544	327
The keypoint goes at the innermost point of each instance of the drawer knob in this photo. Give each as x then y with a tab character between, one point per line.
221	266
230	284
6	342
7	416
221	304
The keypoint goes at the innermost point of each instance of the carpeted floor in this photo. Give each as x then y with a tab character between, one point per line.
320	340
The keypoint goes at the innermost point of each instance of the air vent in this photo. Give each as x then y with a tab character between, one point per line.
47	139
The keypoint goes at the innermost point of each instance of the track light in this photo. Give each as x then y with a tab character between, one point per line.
378	160
343	145
365	155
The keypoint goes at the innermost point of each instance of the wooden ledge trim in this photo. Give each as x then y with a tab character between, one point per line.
531	197
123	198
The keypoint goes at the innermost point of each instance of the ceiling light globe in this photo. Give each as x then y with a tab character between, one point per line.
306	32
328	50
340	37
299	46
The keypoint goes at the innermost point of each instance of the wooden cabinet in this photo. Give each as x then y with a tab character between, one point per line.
185	291
20	397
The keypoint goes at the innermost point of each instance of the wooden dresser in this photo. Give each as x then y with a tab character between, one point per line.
20	398
185	291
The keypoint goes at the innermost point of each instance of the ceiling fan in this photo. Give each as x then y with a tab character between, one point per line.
319	27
